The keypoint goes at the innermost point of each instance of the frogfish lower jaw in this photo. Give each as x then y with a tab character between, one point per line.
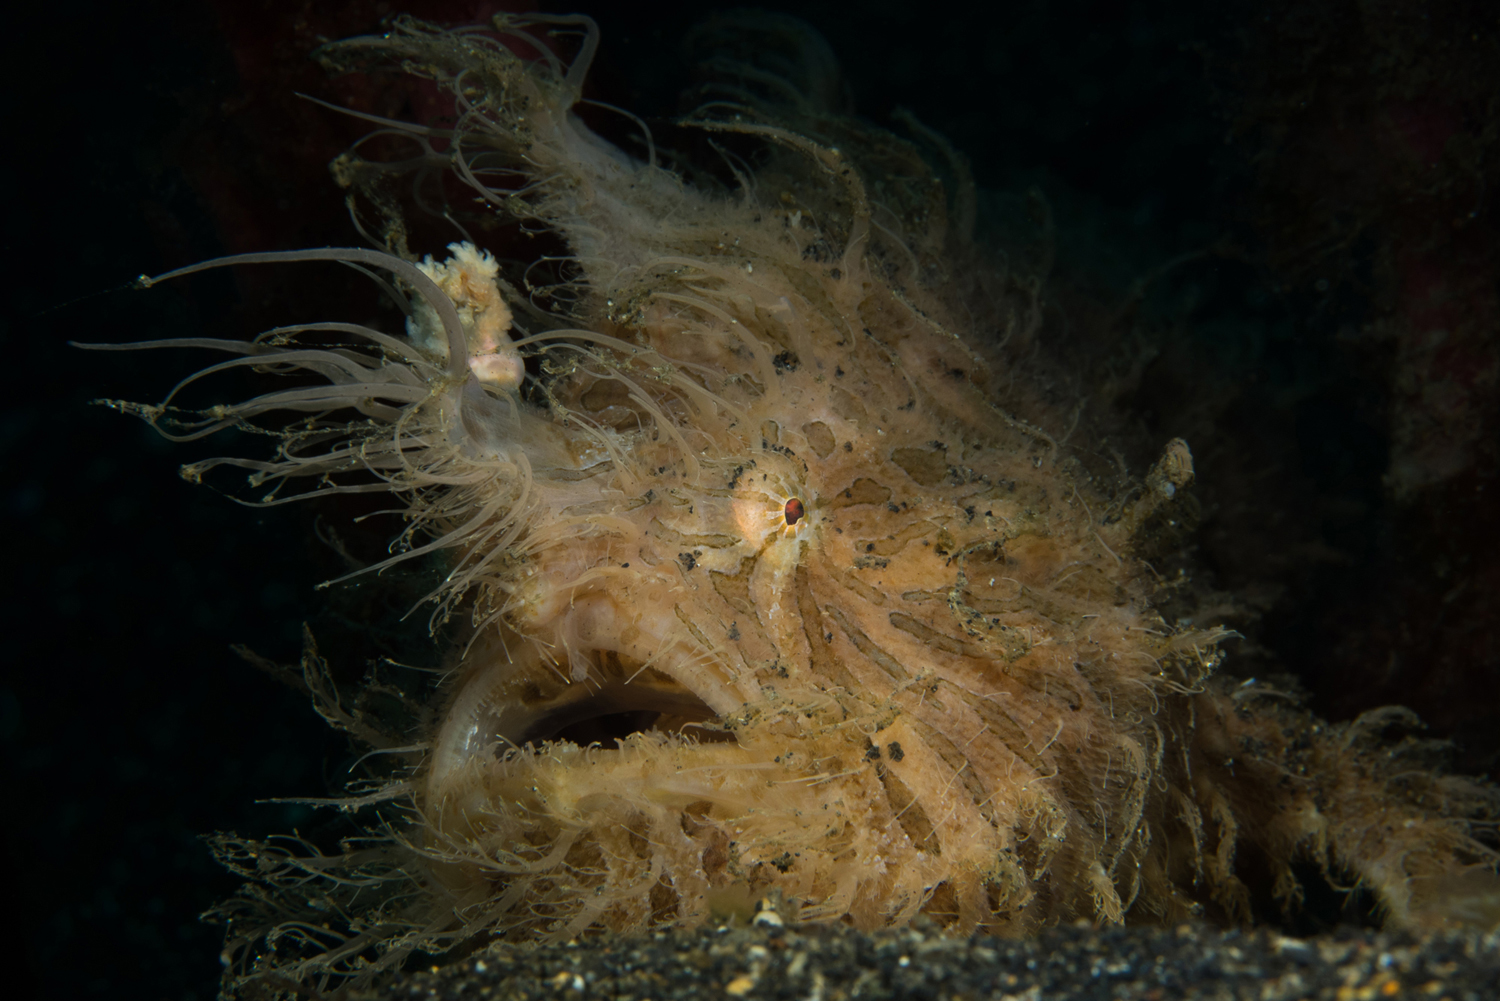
629	794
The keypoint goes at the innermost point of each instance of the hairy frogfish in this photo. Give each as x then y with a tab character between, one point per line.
772	567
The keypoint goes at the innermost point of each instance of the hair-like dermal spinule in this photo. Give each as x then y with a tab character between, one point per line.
780	576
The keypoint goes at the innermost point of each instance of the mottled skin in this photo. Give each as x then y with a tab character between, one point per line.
939	687
946	593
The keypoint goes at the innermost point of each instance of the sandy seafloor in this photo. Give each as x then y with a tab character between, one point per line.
1279	137
1065	964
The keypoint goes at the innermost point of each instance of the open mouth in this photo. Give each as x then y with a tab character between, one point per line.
607	714
502	711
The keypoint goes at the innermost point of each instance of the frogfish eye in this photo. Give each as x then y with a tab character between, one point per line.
794	511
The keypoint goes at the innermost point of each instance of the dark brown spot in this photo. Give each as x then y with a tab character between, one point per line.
927	466
820	438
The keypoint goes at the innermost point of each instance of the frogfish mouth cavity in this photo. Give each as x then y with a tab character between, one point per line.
774	566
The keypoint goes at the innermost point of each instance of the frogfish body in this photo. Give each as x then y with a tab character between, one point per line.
782	577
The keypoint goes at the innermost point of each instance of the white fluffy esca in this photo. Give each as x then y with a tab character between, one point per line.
470	278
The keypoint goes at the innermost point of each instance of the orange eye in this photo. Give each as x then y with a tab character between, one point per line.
794	511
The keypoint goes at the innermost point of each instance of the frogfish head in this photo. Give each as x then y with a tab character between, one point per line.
776	581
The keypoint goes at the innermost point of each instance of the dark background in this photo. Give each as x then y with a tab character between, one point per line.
1329	348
